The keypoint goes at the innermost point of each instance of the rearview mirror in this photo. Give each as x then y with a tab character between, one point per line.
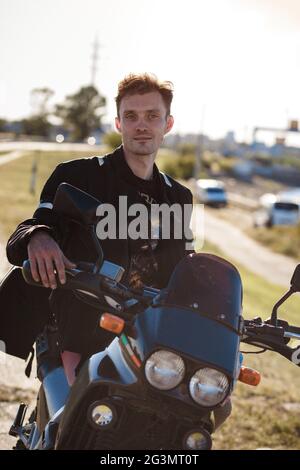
295	281
81	207
75	204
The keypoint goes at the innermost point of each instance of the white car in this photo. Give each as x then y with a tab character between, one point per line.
211	192
276	210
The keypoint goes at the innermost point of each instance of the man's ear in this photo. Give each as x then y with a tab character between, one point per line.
118	124
170	123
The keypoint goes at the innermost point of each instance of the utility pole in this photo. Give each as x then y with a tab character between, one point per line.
95	58
199	146
34	171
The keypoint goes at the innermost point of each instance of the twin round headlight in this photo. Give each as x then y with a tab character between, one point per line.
165	370
208	387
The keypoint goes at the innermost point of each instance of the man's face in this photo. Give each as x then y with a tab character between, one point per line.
143	122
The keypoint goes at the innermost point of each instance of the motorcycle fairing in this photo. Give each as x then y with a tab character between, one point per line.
99	379
188	332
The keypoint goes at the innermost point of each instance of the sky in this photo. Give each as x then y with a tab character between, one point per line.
234	63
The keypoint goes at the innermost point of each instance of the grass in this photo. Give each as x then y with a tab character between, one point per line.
258	418
16	201
16	394
282	239
289	161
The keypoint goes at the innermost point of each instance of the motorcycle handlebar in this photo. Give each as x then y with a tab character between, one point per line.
83	278
70	273
271	337
255	332
259	327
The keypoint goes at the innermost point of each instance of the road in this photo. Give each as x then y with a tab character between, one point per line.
274	267
9	157
17	150
50	146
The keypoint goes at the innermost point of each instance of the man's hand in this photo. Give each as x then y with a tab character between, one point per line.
45	256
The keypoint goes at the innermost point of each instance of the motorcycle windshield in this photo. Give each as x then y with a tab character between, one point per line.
209	284
199	312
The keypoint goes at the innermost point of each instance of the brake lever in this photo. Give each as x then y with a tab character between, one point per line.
259	327
123	292
283	330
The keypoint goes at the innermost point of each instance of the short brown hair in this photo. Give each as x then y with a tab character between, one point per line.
144	83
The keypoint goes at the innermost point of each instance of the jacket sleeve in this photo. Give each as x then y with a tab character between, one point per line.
43	219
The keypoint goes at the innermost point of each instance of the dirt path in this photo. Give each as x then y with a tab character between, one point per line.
15	388
11	156
274	267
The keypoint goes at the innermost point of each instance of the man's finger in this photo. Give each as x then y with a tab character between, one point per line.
43	272
50	272
68	263
34	269
60	268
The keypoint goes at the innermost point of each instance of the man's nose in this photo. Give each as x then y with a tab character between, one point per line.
141	125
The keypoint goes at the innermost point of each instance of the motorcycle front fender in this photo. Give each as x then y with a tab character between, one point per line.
110	367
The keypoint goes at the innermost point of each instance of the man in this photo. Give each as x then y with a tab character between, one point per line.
143	118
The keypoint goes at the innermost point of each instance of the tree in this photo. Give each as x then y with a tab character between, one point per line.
82	111
187	148
38	123
3	124
39	101
112	139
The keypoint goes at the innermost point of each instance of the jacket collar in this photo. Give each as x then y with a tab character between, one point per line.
118	153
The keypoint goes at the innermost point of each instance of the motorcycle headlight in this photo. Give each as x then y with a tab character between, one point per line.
198	439
164	370
208	387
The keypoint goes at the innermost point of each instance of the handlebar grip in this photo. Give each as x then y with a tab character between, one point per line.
293	329
26	271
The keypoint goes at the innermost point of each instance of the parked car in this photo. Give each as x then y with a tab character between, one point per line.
275	210
211	192
291	195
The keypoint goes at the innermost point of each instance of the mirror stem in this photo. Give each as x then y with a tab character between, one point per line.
277	305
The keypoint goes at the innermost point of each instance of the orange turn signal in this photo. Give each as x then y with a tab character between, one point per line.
112	323
249	376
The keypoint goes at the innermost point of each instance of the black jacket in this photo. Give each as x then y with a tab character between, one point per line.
105	178
24	308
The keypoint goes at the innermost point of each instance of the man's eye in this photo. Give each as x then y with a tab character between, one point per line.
153	116
130	116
